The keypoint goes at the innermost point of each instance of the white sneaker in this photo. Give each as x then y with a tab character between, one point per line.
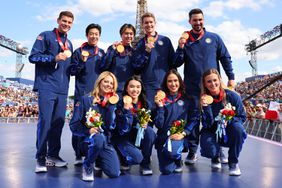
56	161
234	170
40	167
145	171
124	167
87	174
215	163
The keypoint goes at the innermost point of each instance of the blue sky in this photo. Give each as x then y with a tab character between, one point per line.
236	21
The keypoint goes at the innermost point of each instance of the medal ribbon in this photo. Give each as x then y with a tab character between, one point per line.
139	106
172	101
220	97
146	38
63	46
191	36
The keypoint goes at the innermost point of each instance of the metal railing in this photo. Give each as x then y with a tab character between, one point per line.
264	128
22	120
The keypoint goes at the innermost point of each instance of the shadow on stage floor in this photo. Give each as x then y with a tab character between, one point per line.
260	163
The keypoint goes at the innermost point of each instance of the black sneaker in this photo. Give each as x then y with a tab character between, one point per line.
191	158
40	165
146	170
215	163
179	167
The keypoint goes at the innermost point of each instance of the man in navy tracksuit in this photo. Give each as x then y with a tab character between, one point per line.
85	67
200	50
51	55
153	57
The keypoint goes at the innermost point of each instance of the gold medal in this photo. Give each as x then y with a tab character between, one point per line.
185	35
84	53
209	99
161	95
114	99
127	99
120	48
151	39
67	53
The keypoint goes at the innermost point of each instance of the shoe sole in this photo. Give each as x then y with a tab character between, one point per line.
41	170
51	163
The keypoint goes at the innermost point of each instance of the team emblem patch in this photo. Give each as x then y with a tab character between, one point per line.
100	54
180	102
160	42
208	40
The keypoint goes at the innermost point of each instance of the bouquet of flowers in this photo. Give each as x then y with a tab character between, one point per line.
93	119
174	150
224	115
144	117
177	127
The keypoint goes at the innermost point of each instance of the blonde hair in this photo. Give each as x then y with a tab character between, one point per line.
204	90
96	90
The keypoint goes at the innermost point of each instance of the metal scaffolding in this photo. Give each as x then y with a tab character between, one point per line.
262	40
18	48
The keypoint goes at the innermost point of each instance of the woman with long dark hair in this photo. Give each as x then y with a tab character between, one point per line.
130	151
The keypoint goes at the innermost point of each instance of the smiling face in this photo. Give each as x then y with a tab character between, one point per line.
197	22
148	25
127	36
172	84
64	24
212	83
133	89
93	37
106	85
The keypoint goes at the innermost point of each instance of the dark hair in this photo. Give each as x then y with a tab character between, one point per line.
181	83
66	13
142	97
127	26
195	11
91	26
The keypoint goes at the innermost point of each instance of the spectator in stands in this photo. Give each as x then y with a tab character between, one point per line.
260	114
235	133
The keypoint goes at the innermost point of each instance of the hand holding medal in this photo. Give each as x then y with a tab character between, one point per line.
84	55
206	100
127	101
160	96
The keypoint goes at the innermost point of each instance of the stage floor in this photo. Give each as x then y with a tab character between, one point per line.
260	163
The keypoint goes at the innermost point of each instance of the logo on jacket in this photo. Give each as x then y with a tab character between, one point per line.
160	42
208	40
180	102
100	54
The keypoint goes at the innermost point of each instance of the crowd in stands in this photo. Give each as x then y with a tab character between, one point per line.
258	106
18	100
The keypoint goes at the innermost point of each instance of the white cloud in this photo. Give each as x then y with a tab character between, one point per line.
235	36
217	8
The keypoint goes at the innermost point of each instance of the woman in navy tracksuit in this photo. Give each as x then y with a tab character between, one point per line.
175	106
119	62
96	144
235	133
127	123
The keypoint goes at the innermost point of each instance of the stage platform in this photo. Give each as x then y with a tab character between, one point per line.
260	163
